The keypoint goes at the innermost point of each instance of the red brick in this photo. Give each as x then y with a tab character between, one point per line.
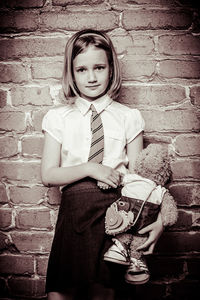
13	72
185	168
39	242
76	2
24	3
32	47
3	288
32	146
5	218
178	242
3	98
196	219
179	44
122	42
8	146
41	265
185	289
54	196
103	20
18	21
180	69
185	220
55	217
162	95
176	120
12	121
195	95
16	264
142	45
141	2
27	195
165	267
4	241
26	287
150	291
37	120
33	218
155	139
193	266
47	69
156	19
187	144
133	44
17	170
34	95
186	194
3	194
134	68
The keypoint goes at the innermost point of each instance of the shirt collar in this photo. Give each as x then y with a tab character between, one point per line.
100	104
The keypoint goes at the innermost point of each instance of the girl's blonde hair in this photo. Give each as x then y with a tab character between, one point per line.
77	44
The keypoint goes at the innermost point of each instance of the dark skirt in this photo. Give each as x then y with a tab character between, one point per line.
76	257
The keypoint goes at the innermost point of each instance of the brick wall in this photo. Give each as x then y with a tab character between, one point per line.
159	50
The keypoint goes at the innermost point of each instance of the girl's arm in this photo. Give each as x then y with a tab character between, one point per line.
133	149
52	174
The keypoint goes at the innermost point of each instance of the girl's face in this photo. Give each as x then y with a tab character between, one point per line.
91	72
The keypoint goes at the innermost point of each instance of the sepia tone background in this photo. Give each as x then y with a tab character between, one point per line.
158	44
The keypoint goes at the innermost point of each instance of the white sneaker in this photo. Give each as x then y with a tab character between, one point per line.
137	272
117	254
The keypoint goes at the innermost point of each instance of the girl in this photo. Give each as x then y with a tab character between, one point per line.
91	76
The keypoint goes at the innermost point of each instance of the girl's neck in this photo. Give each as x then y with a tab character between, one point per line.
96	100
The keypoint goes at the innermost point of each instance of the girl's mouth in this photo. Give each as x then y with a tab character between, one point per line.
93	87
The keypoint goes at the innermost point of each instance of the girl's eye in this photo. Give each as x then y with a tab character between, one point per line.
81	70
99	68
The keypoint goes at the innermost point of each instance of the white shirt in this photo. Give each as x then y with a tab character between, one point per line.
138	187
70	126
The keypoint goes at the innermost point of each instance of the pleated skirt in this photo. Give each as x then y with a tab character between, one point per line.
76	257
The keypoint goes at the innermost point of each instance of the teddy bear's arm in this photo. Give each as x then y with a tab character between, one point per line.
169	211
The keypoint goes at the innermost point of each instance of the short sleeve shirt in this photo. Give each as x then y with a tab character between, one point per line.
69	125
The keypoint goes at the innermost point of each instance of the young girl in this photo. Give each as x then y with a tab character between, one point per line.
91	76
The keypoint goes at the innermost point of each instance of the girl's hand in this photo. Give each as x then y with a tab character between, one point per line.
103	173
155	230
103	185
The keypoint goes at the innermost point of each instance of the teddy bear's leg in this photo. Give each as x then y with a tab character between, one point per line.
125	239
137	272
119	251
134	244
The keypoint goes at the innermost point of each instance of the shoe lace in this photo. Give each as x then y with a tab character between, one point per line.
139	263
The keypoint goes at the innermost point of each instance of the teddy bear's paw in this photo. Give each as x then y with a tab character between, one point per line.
103	185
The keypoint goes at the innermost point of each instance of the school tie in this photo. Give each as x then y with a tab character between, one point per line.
97	143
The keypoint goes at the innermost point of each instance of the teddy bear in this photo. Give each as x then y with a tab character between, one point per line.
143	196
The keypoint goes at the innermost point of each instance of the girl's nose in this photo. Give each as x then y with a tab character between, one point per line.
91	76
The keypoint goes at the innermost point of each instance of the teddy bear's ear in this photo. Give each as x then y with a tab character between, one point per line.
153	163
157	147
159	150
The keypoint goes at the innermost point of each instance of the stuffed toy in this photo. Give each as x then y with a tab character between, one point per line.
143	196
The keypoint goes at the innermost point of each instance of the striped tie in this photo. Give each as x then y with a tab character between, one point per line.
97	143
